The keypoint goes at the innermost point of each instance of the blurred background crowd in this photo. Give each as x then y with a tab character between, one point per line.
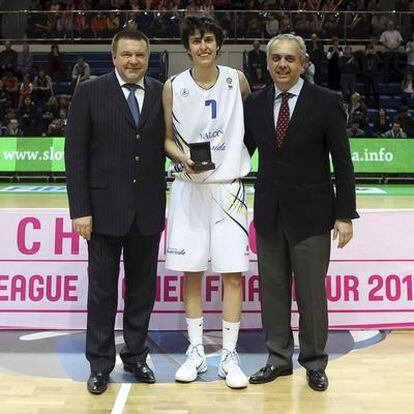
355	47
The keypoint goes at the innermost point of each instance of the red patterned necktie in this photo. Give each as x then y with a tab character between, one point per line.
283	119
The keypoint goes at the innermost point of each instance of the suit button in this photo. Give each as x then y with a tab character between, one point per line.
137	158
137	136
134	180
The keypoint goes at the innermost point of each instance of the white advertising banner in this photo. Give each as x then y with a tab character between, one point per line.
43	276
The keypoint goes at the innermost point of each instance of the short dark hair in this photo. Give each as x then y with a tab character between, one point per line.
129	34
202	23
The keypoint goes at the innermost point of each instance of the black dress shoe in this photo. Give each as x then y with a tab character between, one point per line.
97	382
142	372
317	379
269	373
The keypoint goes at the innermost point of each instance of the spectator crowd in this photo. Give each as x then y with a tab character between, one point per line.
30	107
340	69
28	103
160	18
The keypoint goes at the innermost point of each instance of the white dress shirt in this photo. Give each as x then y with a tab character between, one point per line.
139	93
294	90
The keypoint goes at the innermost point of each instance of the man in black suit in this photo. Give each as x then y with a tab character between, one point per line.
316	55
296	206
116	186
257	66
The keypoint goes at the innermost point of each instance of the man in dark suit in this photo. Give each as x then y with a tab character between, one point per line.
116	186
257	66
296	206
316	55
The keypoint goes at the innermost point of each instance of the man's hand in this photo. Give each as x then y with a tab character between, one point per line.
83	226
343	228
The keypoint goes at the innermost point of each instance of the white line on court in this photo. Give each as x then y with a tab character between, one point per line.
360	336
42	335
121	399
119	339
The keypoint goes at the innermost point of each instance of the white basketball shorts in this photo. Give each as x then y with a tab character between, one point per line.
207	221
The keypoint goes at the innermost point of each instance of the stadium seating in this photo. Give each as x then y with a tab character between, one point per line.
100	63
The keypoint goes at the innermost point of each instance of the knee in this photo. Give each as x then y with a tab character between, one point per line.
192	284
233	281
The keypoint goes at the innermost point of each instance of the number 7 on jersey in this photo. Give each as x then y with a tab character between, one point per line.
213	104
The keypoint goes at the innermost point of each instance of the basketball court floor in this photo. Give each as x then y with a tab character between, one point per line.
45	371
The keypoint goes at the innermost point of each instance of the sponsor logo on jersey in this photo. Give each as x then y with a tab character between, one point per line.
173	250
229	83
184	92
219	147
211	134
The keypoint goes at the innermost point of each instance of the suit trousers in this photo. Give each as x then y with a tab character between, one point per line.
140	254
308	260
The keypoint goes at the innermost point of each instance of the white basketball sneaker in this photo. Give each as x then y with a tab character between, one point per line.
229	369
194	364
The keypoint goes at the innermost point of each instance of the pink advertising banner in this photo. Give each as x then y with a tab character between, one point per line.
43	276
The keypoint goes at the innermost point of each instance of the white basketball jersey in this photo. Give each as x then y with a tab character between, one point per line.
214	115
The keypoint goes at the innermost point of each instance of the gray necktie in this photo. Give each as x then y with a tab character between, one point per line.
132	100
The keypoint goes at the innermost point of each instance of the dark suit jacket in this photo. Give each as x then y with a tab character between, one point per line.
115	170
257	58
295	182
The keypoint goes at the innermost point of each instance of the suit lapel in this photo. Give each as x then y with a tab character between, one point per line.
269	113
148	102
302	108
116	95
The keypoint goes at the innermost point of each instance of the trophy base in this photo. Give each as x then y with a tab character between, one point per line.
203	166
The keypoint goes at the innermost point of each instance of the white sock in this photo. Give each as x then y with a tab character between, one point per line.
230	335
195	330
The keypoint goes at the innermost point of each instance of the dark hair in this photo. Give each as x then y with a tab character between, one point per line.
202	23
129	34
